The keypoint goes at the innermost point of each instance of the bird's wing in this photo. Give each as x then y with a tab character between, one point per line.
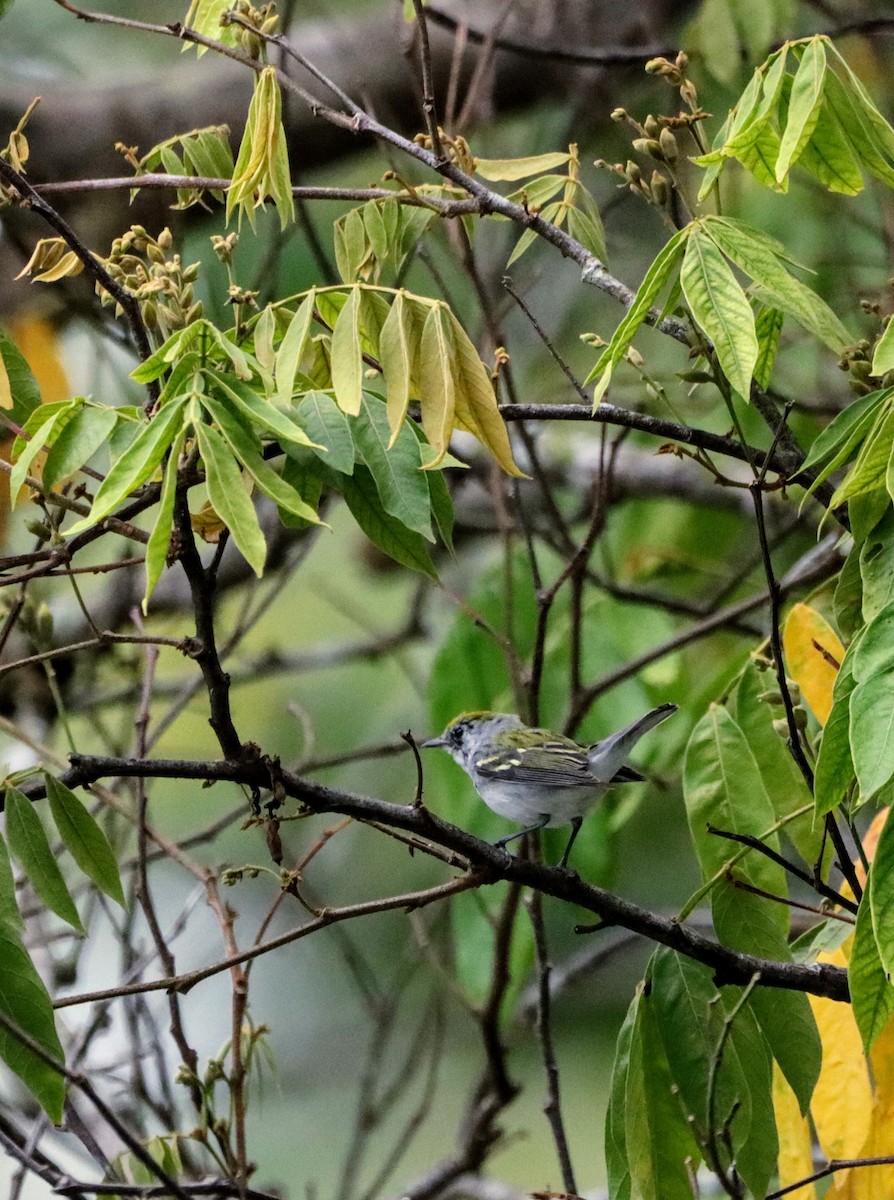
559	763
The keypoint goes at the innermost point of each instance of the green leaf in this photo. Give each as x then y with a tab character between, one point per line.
136	465
509	169
650	289
398	350
870	470
291	350
718	40
876	568
749	923
873	653
804	106
84	838
82	436
829	158
437	383
881	896
401	484
616	1164
834	764
21	395
721	309
872	732
857	126
242	444
28	843
768	327
393	538
762	258
329	428
872	994
782	780
347	360
258	411
723	788
847	599
691	1015
39	439
24	1000
659	1144
159	543
231	502
474	400
837	441
10	917
883	357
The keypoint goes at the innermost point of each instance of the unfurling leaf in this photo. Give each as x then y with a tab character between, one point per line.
262	167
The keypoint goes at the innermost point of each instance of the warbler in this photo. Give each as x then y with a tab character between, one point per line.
536	777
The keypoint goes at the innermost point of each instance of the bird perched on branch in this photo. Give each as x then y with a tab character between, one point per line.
539	778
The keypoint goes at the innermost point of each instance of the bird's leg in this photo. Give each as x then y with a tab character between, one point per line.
541	824
575	830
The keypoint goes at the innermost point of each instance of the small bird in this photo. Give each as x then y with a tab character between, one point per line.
536	777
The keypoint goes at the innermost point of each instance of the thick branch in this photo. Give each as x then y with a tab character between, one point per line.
819	979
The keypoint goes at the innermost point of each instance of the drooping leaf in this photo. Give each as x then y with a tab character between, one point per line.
872	993
437	380
658	1141
395	467
795	1160
721	309
834	765
24	1000
654	282
84	839
243	445
291	349
232	503
842	1102
347	356
21	393
805	103
475	401
881	897
28	843
398	353
617	1165
159	544
10	916
329	429
403	545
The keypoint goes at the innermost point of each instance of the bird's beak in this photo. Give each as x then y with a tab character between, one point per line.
435	741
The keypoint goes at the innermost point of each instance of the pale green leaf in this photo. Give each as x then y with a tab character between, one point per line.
88	429
231	502
804	106
721	308
510	169
291	349
347	360
159	543
136	465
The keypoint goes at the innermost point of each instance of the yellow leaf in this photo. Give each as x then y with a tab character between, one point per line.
813	654
476	402
841	1107
38	342
5	389
877	1183
398	350
795	1151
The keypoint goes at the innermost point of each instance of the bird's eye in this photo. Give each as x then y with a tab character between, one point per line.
457	733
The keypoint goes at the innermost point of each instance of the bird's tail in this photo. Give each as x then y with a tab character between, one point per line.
608	756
